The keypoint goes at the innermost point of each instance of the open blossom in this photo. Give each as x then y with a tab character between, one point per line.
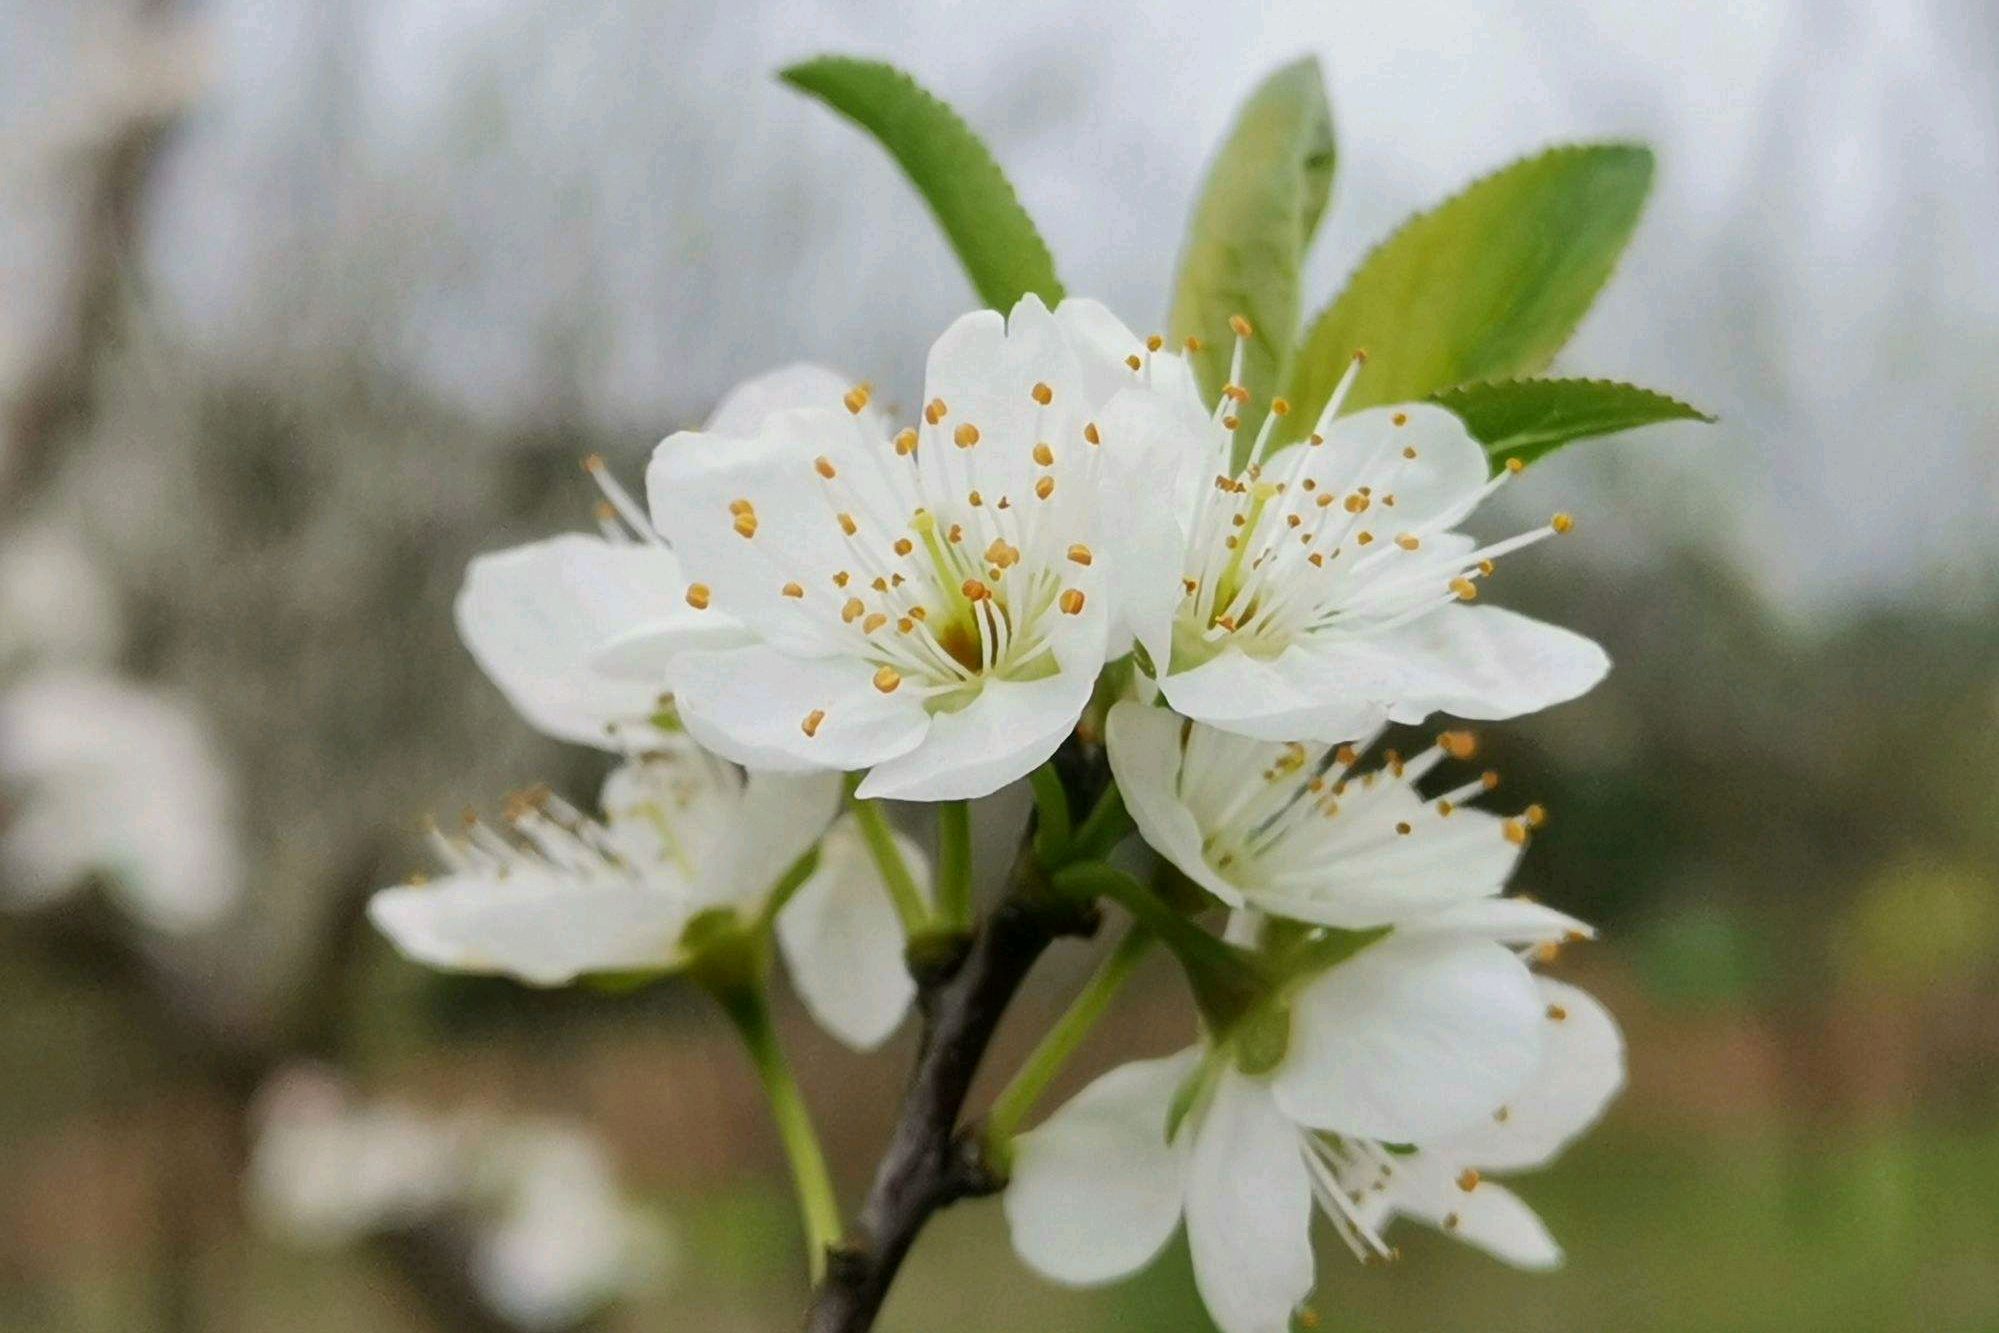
551	621
1321	590
1405	1048
932	606
1293	830
684	835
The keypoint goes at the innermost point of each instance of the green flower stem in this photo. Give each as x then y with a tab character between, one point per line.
1054	1050
954	863
818	1205
1051	804
1228	983
902	890
1106	827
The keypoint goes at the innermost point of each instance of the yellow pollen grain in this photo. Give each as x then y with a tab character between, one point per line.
1515	831
741	507
1355	503
697	596
903	546
1405	828
1514	465
1363	538
847	524
935	411
1464	588
1090	433
1294	520
1468	1180
919	613
1486	567
1535	815
824	467
1318	560
1458	744
905	441
1079	554
966	435
974	590
975	499
1408	541
1043	454
1557	1014
842	578
746	525
1154	342
793	590
887	679
1563	523
904	625
955	534
851	609
873	623
1133	361
1240	326
857	398
1231	423
1044	488
1280	407
1042	394
810	726
1071	601
1400	418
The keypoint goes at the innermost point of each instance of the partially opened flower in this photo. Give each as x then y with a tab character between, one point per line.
1294	830
1412	1040
1321	589
551	621
687	840
928	607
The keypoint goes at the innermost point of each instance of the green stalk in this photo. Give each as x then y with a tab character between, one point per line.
902	890
1054	1050
1106	827
954	863
1051	805
818	1205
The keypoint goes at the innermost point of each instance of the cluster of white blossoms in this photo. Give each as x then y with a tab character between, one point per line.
813	590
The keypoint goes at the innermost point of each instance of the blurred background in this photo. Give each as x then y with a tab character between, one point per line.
302	305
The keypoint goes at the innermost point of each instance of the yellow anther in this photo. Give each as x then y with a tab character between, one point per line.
857	398
1363	538
1044	488
905	441
793	590
593	463
887	679
606	511
1515	831
824	467
851	609
1280	407
1043	394
1468	1180
1090	433
1154	342
874	622
1231	423
841	578
1043	454
1514	465
974	590
746	524
1400	419
810	726
1557	1014
903	546
697	596
1409	451
966	435
1079	554
1458	744
975	499
1464	588
1071	601
1535	815
1133	361
1489	779
1486	567
847	524
1405	828
1501	1116
1408	541
1346	756
1562	523
919	613
1193	344
1240	327
935	411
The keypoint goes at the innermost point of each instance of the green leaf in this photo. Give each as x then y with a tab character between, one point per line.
1246	244
1525	419
1487	285
956	175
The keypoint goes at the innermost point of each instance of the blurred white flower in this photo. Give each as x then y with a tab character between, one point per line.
1295	831
1319	589
104	778
931	607
55	605
553	1237
1426	1040
684	836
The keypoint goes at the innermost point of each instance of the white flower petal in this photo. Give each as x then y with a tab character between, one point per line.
745	408
1503	920
1445	476
1102	342
843	941
539	925
535	618
1096	1188
1472	661
984	368
1000	736
1410	1039
778	818
1147	758
1430	1188
1155	448
751	705
1581	1070
698	481
1249	1211
1289	697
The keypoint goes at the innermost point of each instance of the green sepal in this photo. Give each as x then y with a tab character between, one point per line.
1263	1039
